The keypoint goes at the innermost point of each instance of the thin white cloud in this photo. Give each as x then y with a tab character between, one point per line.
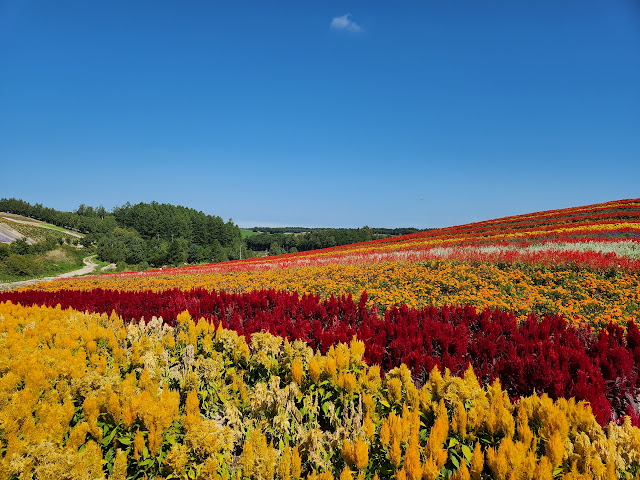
345	23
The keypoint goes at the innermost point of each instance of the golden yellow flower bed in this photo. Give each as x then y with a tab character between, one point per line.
83	396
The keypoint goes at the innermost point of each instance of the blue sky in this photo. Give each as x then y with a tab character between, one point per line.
322	113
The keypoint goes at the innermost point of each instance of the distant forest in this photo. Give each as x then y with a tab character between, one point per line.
153	235
299	239
377	231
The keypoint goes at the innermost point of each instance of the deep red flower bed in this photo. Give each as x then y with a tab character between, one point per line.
543	355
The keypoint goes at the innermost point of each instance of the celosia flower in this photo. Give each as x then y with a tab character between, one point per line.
183	319
360	454
555	449
330	367
347	451
296	464
430	470
498	464
385	433
297	374
191	414
460	418
138	444
356	348
368	427
394	390
462	473
177	459
346	474
342	356
395	453
119	466
544	469
477	462
314	369
349	382
77	436
284	464
412	464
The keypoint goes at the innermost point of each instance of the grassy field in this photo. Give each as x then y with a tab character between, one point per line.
247	233
64	259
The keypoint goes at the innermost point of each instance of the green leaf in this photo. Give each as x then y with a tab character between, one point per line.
466	451
109	455
453	442
107	440
125	440
384	402
455	461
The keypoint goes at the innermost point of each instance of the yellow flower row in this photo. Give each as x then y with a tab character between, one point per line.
84	396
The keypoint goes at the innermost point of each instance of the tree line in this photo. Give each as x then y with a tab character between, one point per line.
157	234
296	239
377	231
145	234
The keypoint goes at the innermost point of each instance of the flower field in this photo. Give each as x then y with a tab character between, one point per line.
582	263
86	395
500	349
581	295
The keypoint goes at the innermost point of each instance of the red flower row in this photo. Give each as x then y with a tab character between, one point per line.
543	355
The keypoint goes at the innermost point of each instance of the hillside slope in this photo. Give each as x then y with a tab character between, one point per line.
8	234
581	263
606	228
34	230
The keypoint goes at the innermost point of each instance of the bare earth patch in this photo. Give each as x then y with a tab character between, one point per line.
57	255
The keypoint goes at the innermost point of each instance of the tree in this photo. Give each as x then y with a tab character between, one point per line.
195	253
274	249
157	252
177	252
216	253
20	247
135	250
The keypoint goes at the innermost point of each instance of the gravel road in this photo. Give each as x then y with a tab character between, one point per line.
89	267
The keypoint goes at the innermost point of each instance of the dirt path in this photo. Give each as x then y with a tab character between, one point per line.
89	267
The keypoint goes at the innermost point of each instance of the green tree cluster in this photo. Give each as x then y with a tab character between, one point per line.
144	234
276	243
